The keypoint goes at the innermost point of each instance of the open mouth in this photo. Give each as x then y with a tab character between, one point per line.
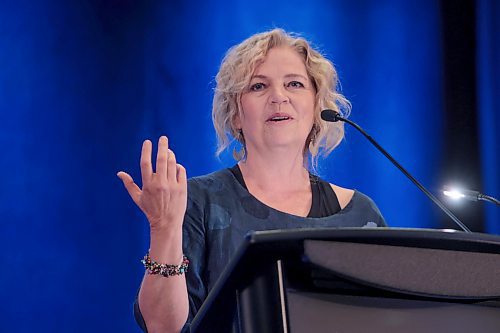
278	118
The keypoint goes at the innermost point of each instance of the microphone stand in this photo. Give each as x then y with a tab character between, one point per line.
333	116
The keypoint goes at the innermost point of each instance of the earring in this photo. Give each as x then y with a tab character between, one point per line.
313	134
240	154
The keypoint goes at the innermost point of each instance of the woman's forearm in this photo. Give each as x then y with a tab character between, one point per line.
163	301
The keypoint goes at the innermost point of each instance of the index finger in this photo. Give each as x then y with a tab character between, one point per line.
146	167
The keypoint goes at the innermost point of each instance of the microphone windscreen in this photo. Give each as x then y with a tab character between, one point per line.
329	115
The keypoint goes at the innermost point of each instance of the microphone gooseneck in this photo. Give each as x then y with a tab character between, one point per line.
333	116
489	198
470	196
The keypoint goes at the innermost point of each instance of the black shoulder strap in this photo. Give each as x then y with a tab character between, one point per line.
236	171
324	199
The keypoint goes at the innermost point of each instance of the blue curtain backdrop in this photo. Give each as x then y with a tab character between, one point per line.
488	67
82	83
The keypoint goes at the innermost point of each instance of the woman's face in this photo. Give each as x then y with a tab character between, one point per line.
278	106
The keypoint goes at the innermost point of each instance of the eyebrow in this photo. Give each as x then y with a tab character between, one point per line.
291	75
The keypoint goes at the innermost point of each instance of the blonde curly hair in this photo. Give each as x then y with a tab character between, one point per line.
234	77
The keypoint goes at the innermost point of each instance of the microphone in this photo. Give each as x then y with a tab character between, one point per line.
333	116
470	195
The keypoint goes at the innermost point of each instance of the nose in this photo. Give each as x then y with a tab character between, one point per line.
278	95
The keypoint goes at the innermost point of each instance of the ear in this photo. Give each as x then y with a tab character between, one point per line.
236	123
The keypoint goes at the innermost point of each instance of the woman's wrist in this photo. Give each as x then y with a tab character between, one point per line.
165	270
166	246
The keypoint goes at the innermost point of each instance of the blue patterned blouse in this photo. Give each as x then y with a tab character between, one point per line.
221	212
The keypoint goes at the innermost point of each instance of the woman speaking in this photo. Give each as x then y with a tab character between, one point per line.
270	91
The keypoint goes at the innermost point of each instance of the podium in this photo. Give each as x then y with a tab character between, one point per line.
357	280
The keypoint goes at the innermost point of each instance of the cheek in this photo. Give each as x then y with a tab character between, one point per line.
308	106
245	105
251	109
248	103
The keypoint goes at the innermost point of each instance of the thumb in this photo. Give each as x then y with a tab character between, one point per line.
133	190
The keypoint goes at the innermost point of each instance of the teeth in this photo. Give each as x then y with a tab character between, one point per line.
279	118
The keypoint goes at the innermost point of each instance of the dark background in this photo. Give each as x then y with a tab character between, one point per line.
83	83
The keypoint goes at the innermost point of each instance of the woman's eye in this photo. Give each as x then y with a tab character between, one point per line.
295	84
257	86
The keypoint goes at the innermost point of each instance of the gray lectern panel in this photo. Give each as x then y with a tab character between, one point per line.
325	313
421	271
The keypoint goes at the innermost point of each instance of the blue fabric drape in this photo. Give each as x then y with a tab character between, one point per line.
82	83
488	88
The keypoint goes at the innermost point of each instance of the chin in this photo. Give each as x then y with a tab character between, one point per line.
288	142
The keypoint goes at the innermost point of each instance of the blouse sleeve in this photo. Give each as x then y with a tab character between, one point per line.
194	248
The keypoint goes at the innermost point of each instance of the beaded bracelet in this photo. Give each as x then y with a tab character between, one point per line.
154	268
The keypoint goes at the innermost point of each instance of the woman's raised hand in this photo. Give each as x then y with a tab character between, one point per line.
163	196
